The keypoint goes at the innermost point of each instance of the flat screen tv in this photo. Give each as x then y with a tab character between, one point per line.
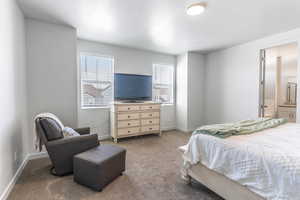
132	87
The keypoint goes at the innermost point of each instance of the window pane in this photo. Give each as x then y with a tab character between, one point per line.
96	81
163	83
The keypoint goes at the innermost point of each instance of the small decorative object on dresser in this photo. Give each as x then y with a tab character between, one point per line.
133	119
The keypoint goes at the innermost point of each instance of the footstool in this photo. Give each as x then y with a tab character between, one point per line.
99	166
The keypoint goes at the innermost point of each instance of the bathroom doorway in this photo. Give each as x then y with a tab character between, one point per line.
278	79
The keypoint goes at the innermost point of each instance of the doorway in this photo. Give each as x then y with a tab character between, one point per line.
278	82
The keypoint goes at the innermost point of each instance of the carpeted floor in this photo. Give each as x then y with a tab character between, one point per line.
152	173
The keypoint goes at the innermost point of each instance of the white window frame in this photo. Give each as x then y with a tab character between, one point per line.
80	79
173	82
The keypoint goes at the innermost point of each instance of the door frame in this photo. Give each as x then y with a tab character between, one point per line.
262	70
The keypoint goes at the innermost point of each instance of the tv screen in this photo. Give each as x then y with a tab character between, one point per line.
133	87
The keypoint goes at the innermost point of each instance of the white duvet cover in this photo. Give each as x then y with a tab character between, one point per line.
266	162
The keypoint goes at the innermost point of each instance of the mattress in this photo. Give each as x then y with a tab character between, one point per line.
266	162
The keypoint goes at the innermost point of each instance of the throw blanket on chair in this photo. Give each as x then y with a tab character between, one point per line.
239	128
38	141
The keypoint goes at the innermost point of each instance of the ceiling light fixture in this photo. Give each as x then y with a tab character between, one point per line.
196	8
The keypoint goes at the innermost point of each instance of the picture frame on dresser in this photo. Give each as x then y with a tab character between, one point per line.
135	119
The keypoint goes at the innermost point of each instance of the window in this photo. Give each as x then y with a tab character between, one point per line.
96	81
163	83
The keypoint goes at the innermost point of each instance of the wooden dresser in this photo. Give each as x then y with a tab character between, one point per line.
133	119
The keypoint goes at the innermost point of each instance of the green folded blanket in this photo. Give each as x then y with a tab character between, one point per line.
239	128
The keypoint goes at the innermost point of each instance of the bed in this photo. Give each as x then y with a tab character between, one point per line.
262	165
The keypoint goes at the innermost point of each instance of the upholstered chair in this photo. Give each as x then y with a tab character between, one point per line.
62	149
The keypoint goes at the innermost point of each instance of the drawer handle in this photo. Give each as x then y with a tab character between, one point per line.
150	107
128	124
150	128
128	131
150	115
128	116
128	108
150	121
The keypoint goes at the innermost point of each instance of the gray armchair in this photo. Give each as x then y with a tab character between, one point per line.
61	150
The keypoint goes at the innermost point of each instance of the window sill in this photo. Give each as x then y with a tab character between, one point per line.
167	104
108	107
94	108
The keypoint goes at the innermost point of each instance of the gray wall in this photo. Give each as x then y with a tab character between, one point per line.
52	75
232	79
196	73
126	60
51	62
13	124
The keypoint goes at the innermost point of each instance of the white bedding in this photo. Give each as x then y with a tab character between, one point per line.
267	162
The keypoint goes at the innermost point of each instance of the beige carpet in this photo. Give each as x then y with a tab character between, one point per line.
152	173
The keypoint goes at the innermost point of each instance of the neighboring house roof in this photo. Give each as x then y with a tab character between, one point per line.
94	91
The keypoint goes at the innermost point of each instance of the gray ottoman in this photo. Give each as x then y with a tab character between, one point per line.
99	166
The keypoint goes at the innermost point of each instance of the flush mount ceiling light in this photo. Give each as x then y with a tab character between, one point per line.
196	8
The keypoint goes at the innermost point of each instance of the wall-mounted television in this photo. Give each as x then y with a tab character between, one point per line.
133	87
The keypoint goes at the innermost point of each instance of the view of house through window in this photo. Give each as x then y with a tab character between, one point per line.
96	80
163	83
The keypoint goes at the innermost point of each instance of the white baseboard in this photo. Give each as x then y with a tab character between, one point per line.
185	131
165	129
18	173
37	155
104	137
15	178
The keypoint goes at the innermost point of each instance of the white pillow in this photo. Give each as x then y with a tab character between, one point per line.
69	132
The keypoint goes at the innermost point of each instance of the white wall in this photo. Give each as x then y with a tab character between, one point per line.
126	60
52	65
13	123
182	92
196	98
190	91
232	79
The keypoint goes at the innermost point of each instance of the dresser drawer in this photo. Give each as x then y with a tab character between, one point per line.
146	122
128	116
127	108
149	115
128	131
128	123
150	107
150	128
